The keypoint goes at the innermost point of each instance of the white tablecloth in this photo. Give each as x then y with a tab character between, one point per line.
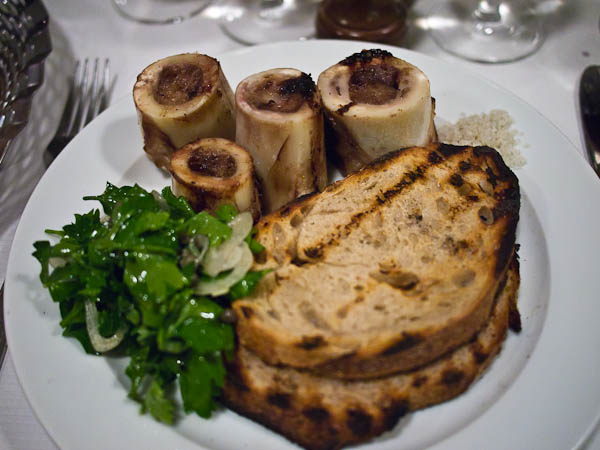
548	80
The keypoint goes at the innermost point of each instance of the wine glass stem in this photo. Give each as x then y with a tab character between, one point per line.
488	11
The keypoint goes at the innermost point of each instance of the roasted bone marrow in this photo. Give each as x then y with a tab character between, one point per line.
180	99
213	171
375	103
279	121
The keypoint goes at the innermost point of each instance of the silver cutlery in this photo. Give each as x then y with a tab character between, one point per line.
24	44
88	97
589	103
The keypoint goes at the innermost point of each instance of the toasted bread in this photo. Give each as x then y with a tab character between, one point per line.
324	413
387	269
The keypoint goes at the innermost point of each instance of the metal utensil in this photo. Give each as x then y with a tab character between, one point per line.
88	97
3	345
589	102
24	44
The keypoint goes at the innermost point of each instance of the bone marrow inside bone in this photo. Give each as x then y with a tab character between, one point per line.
374	84
181	99
281	95
179	83
375	103
213	171
212	162
279	121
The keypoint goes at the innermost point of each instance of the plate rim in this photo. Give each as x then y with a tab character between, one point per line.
458	437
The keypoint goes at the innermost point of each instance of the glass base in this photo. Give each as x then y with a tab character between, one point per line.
257	22
507	35
159	11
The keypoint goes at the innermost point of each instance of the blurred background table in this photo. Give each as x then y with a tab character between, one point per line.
548	80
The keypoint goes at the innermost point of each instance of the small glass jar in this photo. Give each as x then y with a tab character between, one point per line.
366	20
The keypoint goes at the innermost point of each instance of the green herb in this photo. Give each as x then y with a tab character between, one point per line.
246	285
138	267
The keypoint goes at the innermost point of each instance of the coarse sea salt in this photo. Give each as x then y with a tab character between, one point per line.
494	129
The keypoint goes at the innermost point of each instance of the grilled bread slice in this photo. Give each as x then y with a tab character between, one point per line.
325	413
387	269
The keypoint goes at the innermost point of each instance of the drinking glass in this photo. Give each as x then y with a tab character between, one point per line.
489	31
255	22
159	11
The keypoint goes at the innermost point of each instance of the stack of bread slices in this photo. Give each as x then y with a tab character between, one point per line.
391	290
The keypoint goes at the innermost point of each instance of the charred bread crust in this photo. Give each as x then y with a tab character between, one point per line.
391	350
508	207
322	413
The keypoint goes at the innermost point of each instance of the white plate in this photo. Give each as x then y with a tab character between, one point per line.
541	392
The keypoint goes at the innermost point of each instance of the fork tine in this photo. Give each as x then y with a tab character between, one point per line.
87	92
105	84
90	90
100	93
76	83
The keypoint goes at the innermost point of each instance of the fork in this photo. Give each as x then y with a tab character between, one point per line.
87	98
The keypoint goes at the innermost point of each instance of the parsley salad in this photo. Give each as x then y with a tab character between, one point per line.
152	280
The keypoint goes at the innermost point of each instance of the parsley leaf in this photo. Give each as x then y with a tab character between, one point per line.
137	266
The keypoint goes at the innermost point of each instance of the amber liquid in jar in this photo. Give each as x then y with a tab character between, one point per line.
367	20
